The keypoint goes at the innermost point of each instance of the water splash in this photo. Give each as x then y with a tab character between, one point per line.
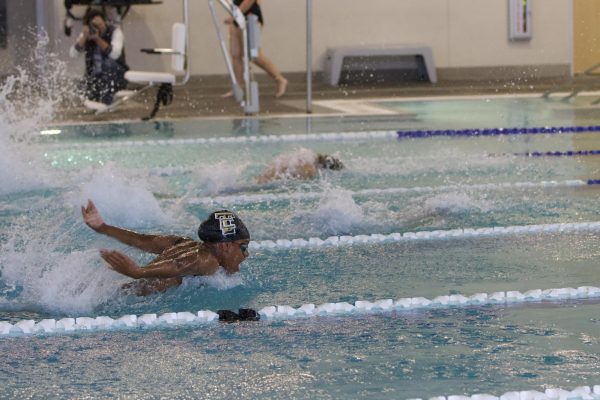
336	214
450	203
43	277
121	200
215	178
30	98
220	280
28	101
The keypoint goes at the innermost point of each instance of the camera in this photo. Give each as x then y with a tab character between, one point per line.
93	30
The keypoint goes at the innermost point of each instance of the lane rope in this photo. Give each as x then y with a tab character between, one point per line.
333	241
265	197
285	312
303	137
335	136
569	153
544	130
578	393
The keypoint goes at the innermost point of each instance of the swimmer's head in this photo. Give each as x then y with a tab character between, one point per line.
326	161
223	226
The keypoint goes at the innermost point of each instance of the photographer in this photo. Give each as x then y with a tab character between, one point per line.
105	65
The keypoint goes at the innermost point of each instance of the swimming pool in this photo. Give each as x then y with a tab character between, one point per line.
360	234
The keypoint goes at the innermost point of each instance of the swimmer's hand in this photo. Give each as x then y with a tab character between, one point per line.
121	263
91	216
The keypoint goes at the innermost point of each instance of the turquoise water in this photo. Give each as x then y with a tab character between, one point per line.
50	267
484	350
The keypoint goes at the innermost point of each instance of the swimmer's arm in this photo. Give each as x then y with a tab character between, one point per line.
150	243
267	176
306	171
162	269
148	286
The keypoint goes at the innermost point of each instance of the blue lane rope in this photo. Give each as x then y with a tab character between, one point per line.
569	153
498	131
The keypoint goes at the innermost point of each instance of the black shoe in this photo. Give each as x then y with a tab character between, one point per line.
245	314
228	316
248	314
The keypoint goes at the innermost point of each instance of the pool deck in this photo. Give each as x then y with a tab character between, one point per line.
202	97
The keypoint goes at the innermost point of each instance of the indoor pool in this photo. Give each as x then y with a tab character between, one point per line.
465	235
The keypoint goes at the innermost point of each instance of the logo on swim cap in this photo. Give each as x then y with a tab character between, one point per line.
226	222
223	226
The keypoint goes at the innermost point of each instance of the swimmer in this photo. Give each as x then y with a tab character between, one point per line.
302	164
224	237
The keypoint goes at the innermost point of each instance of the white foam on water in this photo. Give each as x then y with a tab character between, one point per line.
28	100
220	280
454	202
51	280
337	213
212	179
17	172
121	199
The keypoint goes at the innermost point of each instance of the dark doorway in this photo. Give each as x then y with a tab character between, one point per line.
3	24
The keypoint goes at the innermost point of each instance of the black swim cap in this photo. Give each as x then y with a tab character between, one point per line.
222	226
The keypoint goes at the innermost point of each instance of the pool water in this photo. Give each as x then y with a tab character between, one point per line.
480	350
146	177
494	111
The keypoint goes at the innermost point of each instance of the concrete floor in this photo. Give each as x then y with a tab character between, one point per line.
201	97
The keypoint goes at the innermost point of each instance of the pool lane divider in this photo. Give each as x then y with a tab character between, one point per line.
266	197
285	312
461	233
303	137
544	130
552	393
569	153
333	136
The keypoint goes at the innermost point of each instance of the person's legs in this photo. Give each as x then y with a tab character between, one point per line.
111	80
93	88
236	49
267	65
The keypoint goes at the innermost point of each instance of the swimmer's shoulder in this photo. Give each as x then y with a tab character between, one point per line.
205	262
185	242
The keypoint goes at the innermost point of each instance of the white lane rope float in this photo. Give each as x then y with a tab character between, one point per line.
578	393
267	197
285	312
303	137
333	241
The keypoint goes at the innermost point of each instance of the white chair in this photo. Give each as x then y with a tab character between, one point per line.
165	81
